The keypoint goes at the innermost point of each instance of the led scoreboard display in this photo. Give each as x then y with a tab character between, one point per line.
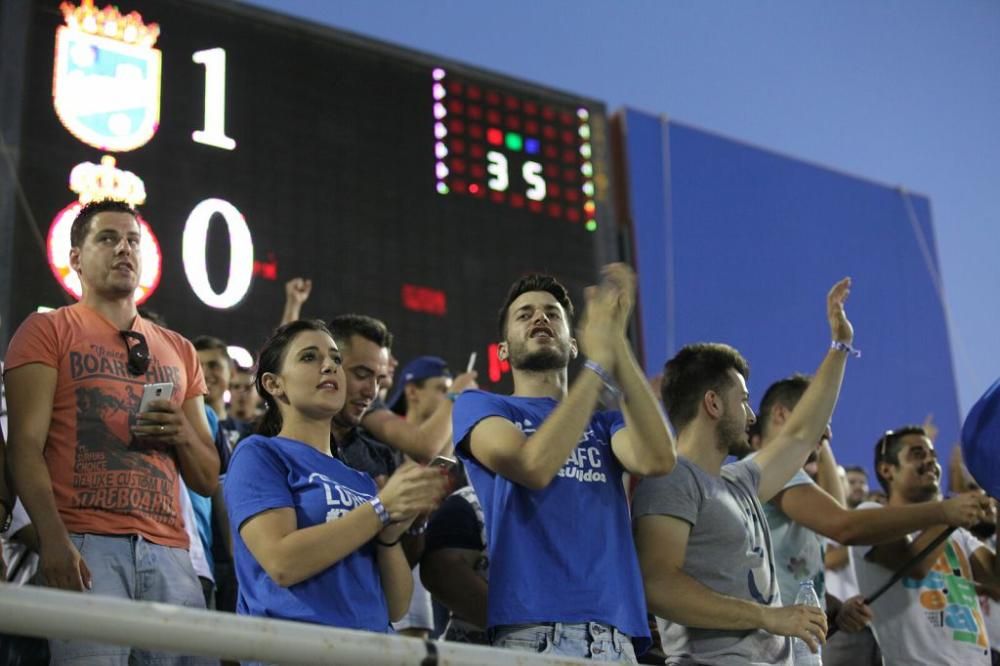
259	148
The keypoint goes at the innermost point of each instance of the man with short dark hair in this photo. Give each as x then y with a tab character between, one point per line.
373	354
703	542
547	467
857	485
98	479
802	513
933	615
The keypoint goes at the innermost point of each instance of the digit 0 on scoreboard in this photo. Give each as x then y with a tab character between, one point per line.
511	149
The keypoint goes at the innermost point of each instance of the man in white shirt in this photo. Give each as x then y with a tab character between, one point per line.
932	616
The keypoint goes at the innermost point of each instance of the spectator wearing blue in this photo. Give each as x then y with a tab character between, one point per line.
315	540
547	465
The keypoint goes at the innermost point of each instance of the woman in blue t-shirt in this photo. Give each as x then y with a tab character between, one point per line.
313	539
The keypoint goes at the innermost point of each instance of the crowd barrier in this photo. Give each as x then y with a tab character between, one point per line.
48	613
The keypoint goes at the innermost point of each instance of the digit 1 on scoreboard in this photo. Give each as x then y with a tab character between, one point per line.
214	133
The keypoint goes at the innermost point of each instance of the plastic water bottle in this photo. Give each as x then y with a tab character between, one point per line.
802	655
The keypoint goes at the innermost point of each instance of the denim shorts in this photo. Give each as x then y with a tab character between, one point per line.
129	567
589	640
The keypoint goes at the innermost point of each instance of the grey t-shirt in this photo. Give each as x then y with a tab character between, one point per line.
729	551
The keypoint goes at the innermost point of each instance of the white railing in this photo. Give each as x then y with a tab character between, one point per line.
48	613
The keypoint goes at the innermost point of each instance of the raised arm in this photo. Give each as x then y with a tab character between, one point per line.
297	292
786	455
661	542
828	471
533	461
644	446
420	442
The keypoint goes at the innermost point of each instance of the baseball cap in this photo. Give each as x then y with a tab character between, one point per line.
422	367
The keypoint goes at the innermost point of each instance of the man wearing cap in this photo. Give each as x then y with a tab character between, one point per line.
423	390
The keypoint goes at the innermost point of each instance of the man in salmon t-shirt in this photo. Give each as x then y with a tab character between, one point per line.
98	478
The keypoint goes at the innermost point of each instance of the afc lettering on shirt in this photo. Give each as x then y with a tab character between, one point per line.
584	464
339	498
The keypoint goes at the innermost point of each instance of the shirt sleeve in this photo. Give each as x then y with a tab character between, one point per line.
256	481
677	494
800	478
192	368
454	525
35	341
471	407
746	472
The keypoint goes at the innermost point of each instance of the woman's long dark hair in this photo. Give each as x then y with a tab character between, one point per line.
270	359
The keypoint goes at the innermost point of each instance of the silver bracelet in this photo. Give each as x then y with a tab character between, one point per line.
606	378
380	510
844	347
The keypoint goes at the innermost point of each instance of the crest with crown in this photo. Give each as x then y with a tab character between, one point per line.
93	182
110	23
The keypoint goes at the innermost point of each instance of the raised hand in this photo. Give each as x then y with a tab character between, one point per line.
297	291
465	382
840	327
620	278
599	328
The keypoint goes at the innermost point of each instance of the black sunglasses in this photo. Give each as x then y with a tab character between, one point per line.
138	354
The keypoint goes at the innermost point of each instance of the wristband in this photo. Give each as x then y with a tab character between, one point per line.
845	347
606	378
380	511
388	545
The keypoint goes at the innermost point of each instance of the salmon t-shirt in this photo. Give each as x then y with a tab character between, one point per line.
105	481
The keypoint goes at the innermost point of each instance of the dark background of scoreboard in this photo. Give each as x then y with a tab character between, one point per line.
333	171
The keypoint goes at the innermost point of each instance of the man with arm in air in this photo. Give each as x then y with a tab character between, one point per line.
547	466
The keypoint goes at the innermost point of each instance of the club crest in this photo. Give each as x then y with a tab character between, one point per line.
106	84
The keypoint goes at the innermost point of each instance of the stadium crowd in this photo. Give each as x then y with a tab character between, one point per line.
568	518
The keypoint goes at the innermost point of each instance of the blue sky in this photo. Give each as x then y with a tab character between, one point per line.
899	92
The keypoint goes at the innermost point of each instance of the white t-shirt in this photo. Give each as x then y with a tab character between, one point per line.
991	608
841	583
933	620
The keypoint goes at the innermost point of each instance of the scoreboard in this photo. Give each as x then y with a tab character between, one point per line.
259	148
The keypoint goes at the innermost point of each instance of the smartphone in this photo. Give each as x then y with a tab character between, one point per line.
151	392
472	362
444	461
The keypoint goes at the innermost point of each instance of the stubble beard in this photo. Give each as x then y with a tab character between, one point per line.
553	357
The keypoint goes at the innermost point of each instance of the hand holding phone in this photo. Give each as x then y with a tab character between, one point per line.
151	392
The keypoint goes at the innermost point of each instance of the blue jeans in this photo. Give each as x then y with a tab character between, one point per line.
590	640
129	567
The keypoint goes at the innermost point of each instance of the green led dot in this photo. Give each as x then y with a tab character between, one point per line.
591	225
442	188
514	141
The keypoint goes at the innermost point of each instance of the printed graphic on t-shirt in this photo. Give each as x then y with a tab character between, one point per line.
340	499
949	599
111	473
760	575
585	463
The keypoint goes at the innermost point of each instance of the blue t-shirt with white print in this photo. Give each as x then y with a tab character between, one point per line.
275	472
563	553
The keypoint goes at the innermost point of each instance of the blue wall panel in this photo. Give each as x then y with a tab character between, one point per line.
755	241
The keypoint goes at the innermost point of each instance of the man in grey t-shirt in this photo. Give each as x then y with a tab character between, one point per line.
701	535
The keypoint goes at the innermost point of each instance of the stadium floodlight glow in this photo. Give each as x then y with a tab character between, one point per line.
584	131
194	242
582	113
591	225
438	91
439	111
240	356
438	73
442	188
585	151
440	131
441	170
440	150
